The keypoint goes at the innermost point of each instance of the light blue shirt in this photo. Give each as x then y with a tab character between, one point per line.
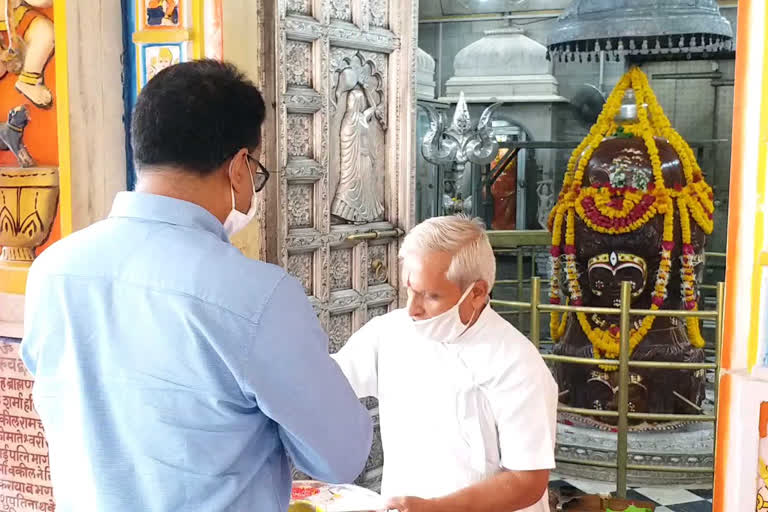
174	374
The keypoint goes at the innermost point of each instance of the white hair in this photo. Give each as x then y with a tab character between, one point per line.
461	236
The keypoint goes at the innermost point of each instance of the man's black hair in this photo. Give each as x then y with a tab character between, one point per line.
195	115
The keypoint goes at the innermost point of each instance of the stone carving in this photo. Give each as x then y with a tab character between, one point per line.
341	10
379	10
341	269
376	458
299	205
357	136
666	444
370	403
30	38
306	170
339	331
377	311
344	300
348	36
545	190
616	220
378	272
299	135
299	7
356	195
380	294
376	42
298	63
300	266
302	101
353	68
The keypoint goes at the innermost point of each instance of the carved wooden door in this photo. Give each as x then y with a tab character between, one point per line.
344	134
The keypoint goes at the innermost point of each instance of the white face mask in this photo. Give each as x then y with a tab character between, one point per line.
237	220
446	327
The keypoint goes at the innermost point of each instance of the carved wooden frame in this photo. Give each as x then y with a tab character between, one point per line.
304	29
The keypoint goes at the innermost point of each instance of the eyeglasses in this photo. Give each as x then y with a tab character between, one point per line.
261	176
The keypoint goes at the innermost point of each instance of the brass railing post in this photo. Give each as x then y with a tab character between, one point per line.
719	324
535	313
520	277
622	439
622	465
719	338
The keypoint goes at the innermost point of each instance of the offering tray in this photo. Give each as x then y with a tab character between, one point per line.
313	496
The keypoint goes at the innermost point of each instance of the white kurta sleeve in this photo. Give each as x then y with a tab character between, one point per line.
524	403
358	359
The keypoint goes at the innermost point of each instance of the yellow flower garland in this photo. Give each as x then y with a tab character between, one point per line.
601	212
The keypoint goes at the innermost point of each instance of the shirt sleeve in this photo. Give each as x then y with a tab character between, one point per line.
525	407
358	359
324	428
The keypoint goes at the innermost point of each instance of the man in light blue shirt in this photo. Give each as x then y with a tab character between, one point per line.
171	372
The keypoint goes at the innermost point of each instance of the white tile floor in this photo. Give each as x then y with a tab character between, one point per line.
668	495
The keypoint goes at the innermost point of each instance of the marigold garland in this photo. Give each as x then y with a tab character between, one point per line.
610	210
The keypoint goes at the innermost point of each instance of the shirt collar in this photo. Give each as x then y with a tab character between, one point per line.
157	208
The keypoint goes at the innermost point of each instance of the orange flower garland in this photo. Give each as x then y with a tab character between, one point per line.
624	210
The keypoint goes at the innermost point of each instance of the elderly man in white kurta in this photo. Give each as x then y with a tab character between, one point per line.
467	405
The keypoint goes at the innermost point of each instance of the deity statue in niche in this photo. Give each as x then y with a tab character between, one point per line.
634	207
27	47
504	191
357	138
162	13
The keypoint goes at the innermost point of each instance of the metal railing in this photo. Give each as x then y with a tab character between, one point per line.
535	308
524	244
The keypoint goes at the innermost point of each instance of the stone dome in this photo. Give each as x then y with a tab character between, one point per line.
505	65
425	75
504	51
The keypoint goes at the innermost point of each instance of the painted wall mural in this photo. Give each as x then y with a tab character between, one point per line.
157	57
29	222
28	131
162	33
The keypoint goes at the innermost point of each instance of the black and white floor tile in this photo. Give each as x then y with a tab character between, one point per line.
666	499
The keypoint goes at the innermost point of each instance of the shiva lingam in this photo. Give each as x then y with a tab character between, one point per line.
634	207
29	196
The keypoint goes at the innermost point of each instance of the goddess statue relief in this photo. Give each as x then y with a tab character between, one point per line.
356	197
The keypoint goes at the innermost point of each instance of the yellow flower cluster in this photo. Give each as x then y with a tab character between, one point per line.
603	211
605	343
